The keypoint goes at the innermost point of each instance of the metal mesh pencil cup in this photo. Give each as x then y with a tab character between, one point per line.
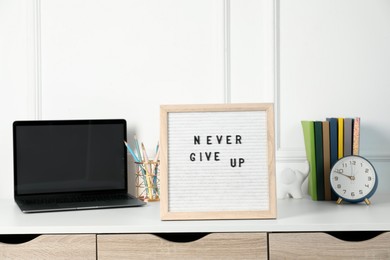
147	180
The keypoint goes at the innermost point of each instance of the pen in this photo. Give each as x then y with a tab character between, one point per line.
131	152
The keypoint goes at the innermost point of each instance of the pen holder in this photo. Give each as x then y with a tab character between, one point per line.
147	180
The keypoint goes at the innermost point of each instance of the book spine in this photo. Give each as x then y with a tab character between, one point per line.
333	135
348	134
356	136
326	147
308	135
340	137
319	160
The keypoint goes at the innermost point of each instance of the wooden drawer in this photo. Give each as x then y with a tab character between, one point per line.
325	246
211	246
52	247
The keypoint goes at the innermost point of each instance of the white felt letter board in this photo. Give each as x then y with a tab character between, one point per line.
217	162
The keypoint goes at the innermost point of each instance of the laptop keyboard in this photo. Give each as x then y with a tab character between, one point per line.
75	199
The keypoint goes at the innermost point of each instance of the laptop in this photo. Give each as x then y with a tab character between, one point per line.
70	165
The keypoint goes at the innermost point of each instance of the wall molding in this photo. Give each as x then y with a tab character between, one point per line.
227	53
37	59
277	73
282	155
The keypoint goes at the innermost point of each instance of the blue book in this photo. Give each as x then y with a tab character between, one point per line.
333	138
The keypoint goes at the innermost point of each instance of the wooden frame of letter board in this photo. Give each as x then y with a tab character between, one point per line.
165	213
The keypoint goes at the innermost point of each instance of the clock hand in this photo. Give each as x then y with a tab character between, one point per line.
352	170
350	177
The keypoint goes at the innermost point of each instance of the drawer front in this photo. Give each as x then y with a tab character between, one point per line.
324	246
212	246
52	247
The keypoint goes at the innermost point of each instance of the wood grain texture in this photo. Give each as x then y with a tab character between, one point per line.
52	247
325	246
212	246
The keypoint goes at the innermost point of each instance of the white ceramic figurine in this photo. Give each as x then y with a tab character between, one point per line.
290	181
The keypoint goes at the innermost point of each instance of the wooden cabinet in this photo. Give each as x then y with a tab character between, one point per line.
52	247
139	233
256	245
211	246
325	246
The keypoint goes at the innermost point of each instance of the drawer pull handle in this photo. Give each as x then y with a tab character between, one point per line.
181	237
17	239
355	236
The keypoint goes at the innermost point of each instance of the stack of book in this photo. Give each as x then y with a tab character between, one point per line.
325	143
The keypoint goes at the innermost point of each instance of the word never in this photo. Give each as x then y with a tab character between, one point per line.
219	139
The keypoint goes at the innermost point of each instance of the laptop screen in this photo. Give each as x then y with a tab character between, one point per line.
69	156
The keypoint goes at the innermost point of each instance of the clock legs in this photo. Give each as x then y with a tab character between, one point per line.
366	200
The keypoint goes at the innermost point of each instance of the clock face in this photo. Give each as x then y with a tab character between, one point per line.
353	178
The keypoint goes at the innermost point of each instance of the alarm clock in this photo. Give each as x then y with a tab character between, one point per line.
353	179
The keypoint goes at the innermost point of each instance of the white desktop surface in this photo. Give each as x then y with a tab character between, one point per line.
293	215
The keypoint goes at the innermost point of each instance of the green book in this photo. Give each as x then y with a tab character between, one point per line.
309	138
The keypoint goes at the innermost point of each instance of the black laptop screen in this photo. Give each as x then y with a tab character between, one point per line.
69	156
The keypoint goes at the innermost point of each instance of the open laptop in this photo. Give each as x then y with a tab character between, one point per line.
70	165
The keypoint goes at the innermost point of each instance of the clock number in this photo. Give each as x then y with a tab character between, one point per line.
336	178
367	170
345	165
338	186
369	178
367	185
339	171
361	192
352	162
353	194
344	191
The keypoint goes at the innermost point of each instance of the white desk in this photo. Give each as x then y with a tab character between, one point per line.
292	216
299	231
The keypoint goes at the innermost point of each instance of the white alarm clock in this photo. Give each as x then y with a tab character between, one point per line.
353	179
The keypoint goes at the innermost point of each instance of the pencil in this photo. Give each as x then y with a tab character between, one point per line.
155	171
131	152
144	176
137	147
148	170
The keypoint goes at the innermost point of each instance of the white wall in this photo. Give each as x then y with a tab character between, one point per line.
123	58
333	61
17	98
